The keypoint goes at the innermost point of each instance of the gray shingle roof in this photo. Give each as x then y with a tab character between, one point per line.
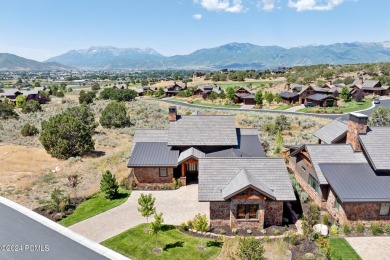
153	154
318	97
216	173
285	94
332	132
367	83
376	143
242	181
190	152
334	153
202	131
149	135
357	182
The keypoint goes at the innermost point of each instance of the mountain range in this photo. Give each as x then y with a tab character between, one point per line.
14	62
232	55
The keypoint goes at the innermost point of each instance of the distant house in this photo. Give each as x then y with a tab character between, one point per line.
207	89
174	89
296	93
322	100
10	94
289	97
370	86
22	86
347	175
142	90
245	95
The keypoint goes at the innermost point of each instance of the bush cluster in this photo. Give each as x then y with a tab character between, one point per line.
115	115
29	130
86	97
118	94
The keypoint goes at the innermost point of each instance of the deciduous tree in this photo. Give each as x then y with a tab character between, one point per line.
146	203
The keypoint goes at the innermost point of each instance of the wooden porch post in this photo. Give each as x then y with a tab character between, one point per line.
183	170
183	178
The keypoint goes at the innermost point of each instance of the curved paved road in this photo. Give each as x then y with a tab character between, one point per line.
384	103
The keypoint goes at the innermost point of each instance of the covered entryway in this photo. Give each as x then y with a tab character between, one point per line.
188	161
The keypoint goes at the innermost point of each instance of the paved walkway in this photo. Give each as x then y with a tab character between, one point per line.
177	206
371	248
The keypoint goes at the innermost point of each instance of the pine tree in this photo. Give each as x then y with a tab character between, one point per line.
259	98
109	186
65	135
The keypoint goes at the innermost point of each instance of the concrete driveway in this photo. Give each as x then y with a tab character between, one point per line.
177	206
370	248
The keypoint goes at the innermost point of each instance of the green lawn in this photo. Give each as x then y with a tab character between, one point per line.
345	107
282	107
137	244
95	205
341	250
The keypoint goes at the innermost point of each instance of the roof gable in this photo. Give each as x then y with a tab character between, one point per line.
190	153
332	132
216	173
242	181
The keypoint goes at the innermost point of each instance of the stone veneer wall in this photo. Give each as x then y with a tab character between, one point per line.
273	213
224	214
220	213
352	213
152	175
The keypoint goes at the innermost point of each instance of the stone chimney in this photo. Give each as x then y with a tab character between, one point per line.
357	125
287	87
361	80
172	115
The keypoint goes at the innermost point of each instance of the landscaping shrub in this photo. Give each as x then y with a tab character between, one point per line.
31	106
29	130
95	86
359	227
387	229
64	136
200	223
109	186
189	224
324	245
310	219
325	219
346	230
119	94
376	228
276	232
7	110
303	197
86	97
57	196
334	230
20	101
115	115
60	94
250	248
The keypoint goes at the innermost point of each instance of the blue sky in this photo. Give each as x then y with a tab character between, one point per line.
40	29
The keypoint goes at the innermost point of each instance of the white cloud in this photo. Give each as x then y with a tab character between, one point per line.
197	16
234	6
266	5
318	5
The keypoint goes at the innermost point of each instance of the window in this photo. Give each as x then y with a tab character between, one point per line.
163	172
303	169
385	207
247	211
337	202
313	183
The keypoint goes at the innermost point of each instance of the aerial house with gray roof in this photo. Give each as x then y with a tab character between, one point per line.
244	187
349	173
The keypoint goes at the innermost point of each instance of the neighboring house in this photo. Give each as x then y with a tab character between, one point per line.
207	89
296	93
22	86
245	193
322	100
349	175
142	90
245	95
10	94
157	156
370	86
174	89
